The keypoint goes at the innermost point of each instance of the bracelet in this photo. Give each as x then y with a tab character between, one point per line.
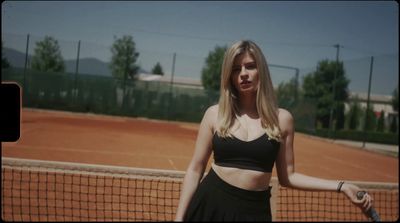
340	186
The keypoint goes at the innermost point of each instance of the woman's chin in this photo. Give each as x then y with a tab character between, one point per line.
248	89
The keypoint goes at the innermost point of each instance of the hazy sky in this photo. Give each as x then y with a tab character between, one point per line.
291	33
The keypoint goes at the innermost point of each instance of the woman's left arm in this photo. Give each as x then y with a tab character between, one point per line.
289	178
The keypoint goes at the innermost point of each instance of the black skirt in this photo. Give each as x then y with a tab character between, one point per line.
216	200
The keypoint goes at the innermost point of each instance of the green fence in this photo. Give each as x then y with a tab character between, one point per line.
150	99
105	95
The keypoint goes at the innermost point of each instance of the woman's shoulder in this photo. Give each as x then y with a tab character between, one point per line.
211	114
284	114
212	110
285	118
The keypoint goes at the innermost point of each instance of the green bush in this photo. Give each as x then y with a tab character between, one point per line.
369	136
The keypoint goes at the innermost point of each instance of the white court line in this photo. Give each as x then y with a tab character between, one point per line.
172	164
66	149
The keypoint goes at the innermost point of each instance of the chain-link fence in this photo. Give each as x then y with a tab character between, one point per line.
88	86
373	82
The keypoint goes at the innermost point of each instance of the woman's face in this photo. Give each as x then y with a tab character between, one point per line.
244	75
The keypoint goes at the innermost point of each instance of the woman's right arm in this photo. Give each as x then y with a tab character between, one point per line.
198	163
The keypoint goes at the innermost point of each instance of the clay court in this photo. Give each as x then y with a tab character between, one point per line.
142	143
30	195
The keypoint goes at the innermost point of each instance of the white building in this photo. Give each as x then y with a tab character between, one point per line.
377	102
177	81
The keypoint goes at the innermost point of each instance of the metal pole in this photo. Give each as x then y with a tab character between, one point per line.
369	92
170	86
173	70
296	96
331	127
125	77
77	58
76	70
26	65
296	74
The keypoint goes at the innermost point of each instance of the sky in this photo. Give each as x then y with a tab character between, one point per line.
297	34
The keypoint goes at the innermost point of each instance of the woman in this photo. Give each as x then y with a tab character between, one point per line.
248	133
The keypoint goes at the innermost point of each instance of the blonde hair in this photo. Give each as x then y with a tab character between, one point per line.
266	102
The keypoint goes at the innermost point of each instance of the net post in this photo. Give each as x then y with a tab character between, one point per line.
274	196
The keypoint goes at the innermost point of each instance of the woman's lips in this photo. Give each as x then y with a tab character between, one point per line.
245	82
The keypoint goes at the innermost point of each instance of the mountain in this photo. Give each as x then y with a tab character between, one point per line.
86	65
16	58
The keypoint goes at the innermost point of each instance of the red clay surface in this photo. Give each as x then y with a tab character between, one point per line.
121	141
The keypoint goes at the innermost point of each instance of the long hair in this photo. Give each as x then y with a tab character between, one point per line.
266	102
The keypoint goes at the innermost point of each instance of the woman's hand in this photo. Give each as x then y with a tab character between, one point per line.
350	190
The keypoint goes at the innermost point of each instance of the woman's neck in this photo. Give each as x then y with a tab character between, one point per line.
247	104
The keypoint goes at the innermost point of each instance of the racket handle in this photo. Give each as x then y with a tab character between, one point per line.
371	212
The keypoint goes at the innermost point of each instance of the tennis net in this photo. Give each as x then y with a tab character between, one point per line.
34	190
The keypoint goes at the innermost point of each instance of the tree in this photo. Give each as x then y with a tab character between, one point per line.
393	124
381	122
319	85
124	57
47	56
395	105
4	61
157	69
340	117
211	72
371	119
286	93
395	99
354	114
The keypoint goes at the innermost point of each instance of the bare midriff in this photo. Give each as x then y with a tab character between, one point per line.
243	178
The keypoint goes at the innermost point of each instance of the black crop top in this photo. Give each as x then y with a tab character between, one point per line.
258	154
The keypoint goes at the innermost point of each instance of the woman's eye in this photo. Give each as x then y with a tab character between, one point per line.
236	70
251	67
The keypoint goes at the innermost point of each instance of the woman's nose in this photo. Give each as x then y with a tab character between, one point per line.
243	73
